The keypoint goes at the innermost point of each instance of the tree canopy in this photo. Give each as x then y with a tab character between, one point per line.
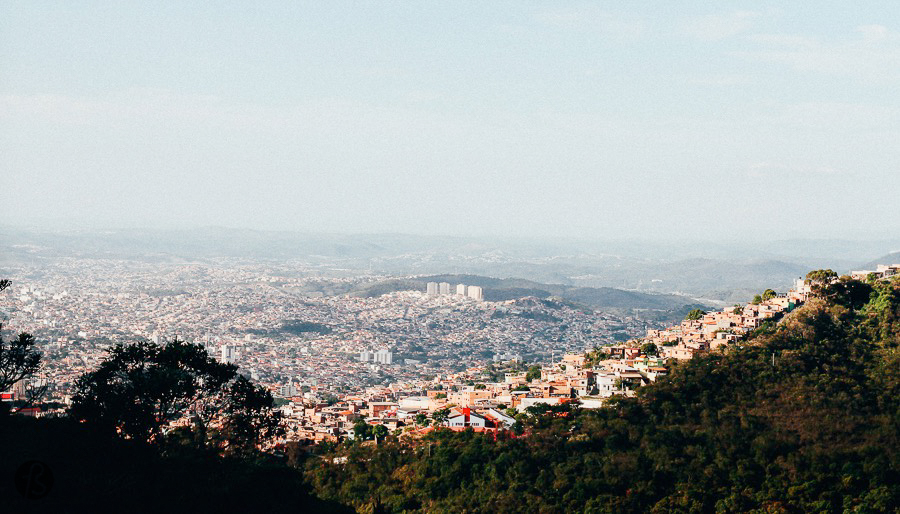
248	417
821	275
19	358
440	416
695	314
140	389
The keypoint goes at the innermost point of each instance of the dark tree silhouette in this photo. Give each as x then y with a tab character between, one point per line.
248	417
18	357
141	388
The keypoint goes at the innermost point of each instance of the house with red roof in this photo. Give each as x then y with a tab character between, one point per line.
466	418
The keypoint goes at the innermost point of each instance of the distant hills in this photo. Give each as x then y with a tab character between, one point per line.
718	272
669	306
891	258
500	289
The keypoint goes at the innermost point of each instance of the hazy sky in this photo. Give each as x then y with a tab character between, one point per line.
602	119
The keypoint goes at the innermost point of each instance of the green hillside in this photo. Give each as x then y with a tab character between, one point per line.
661	306
804	417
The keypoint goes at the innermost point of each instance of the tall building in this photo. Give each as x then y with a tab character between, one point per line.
444	288
476	293
366	356
461	289
289	390
431	288
229	353
384	357
20	389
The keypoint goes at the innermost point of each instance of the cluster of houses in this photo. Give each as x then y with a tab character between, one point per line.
715	329
456	403
881	271
397	410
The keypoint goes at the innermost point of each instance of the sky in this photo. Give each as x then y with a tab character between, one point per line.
710	120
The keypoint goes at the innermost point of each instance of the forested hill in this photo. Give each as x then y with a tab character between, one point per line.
802	417
502	289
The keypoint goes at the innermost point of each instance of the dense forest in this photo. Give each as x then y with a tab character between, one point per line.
803	416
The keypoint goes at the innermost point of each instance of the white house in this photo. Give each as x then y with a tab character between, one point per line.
466	419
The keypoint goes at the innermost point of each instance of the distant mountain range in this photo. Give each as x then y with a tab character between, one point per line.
590	272
501	289
891	258
660	307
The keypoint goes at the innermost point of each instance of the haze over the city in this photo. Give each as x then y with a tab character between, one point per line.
667	120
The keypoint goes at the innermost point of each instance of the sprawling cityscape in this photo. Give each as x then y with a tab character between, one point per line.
335	360
254	316
432	257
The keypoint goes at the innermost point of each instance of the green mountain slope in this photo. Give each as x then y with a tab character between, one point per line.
501	289
804	417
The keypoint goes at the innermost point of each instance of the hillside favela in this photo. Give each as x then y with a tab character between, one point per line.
449	257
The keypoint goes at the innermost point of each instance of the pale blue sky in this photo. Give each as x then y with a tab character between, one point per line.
605	119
